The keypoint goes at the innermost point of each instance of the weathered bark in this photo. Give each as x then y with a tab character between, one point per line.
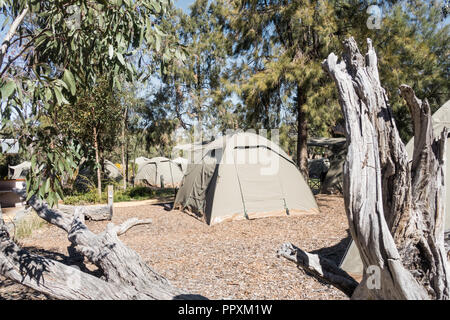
93	212
11	32
125	274
395	211
52	277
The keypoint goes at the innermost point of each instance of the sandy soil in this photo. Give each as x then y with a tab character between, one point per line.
232	260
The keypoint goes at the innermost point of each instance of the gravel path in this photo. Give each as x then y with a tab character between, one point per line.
231	260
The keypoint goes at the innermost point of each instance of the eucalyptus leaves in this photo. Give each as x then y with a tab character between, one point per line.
56	50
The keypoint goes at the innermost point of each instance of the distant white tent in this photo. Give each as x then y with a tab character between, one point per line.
19	171
140	161
112	171
183	162
159	171
9	145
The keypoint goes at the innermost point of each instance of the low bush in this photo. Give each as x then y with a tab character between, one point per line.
131	194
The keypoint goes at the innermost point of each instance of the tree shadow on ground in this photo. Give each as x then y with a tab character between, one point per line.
336	252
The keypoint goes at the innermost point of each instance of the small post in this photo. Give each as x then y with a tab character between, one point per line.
110	200
161	178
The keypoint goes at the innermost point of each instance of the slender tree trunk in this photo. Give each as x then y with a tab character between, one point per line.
124	128
127	159
97	162
11	32
133	168
179	104
302	134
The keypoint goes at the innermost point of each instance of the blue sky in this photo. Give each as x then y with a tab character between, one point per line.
183	4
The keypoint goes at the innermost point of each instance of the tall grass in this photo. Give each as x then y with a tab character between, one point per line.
25	226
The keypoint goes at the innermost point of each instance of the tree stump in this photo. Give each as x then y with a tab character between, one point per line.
395	208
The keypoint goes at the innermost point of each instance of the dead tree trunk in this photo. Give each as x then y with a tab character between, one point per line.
395	209
125	274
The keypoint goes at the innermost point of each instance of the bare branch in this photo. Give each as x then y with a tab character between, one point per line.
11	32
130	223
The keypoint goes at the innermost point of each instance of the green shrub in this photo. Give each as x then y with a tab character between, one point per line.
136	193
140	192
89	197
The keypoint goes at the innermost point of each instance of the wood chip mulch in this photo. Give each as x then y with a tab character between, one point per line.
231	260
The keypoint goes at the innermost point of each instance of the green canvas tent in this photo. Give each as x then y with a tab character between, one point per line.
244	175
352	262
159	171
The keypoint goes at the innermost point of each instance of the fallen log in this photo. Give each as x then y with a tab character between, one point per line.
98	212
124	274
52	277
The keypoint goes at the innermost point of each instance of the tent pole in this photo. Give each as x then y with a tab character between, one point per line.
240	188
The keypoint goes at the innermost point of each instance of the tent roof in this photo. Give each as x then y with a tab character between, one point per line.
243	140
441	118
140	160
159	159
180	160
152	170
326	142
25	164
114	172
15	172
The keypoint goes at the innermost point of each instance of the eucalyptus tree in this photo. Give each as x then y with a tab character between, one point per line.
96	123
54	50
